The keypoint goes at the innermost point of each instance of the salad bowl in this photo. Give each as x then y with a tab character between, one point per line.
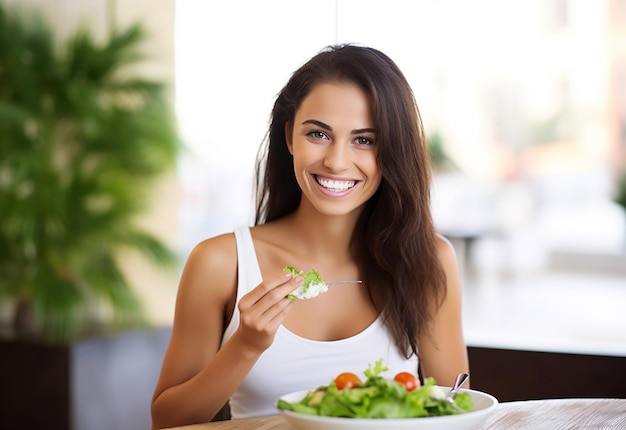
484	404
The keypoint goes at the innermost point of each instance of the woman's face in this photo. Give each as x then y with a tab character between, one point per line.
333	143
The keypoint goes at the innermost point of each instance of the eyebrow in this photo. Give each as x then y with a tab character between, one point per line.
329	128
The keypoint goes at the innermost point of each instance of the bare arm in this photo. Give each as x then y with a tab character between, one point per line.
197	377
443	353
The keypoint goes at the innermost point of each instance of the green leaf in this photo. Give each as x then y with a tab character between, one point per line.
83	139
374	371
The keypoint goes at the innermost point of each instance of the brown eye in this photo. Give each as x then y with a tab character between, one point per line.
364	141
317	134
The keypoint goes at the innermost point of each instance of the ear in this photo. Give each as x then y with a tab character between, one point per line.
289	136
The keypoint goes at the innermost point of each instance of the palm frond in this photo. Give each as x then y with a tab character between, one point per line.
87	136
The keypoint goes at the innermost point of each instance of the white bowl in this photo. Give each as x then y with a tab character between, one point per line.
484	404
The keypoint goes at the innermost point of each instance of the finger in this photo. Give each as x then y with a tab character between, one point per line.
264	287
257	314
277	316
259	333
270	292
266	320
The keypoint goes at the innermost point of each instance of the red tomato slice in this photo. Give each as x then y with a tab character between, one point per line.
407	379
347	380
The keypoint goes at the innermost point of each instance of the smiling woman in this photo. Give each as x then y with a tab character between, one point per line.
506	124
342	186
333	142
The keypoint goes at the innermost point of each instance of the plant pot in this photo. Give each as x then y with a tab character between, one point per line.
97	383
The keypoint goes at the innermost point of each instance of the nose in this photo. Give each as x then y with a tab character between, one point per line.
337	156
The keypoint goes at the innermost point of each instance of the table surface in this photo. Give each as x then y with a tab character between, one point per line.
553	414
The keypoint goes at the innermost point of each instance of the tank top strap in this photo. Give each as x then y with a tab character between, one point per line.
248	274
248	270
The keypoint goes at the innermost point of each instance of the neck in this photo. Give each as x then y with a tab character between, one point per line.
322	235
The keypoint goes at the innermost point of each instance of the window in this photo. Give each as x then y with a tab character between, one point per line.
516	107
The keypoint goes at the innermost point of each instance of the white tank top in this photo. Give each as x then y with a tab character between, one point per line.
293	363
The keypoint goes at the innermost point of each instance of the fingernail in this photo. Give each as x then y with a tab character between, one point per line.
299	279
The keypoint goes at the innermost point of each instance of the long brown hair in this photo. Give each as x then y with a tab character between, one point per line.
394	241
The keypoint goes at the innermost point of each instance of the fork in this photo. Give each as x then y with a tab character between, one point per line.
460	380
332	284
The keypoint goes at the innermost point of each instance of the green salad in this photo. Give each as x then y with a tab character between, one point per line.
312	286
378	397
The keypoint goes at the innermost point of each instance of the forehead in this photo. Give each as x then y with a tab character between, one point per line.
338	101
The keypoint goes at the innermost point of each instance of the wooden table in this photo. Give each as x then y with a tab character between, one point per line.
552	414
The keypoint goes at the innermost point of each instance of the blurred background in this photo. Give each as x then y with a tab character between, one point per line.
524	107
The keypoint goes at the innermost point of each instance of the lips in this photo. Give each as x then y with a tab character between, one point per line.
334	185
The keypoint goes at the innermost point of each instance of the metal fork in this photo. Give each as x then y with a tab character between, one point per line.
460	380
332	284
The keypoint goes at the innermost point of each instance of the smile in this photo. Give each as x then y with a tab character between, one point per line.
335	186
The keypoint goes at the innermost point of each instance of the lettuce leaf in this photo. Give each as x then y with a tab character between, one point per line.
312	286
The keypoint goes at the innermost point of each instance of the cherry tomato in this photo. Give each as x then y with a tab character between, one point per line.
407	379
347	380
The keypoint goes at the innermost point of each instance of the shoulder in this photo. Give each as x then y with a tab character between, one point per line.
214	253
211	267
445	251
446	254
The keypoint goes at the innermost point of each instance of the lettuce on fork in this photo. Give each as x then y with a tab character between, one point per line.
312	286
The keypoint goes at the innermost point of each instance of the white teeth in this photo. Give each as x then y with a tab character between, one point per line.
336	186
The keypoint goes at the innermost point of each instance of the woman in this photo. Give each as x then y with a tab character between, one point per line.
343	188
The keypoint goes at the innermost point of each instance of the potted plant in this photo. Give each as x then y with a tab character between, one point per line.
82	137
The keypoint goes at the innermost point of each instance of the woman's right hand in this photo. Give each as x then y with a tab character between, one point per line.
263	309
